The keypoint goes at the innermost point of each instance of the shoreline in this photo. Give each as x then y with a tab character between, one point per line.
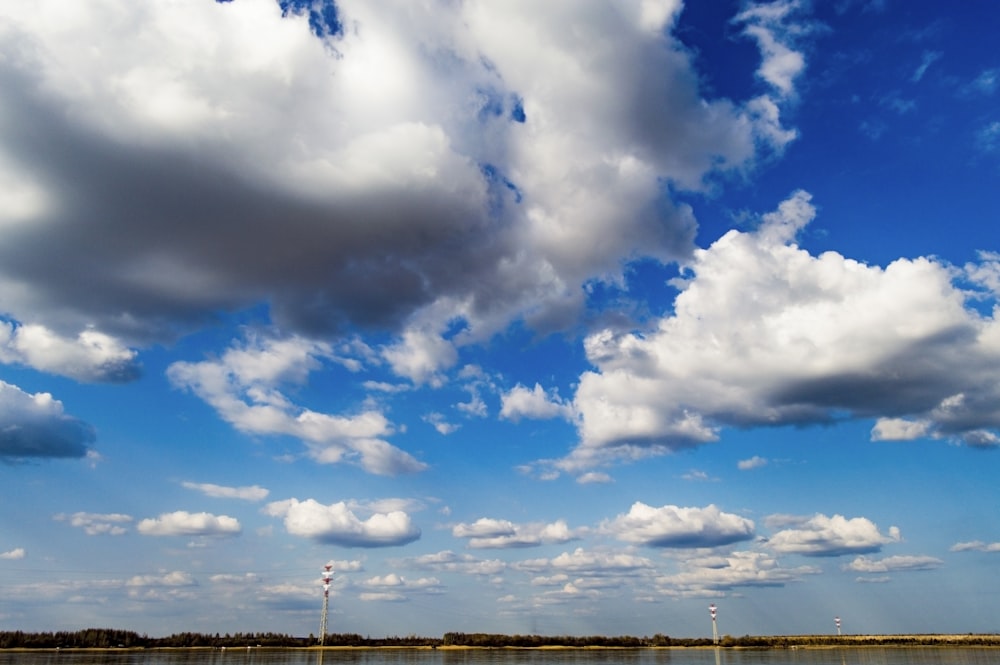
763	642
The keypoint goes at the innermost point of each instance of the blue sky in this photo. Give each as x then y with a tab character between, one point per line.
571	317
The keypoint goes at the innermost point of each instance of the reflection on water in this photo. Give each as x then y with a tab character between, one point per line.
716	656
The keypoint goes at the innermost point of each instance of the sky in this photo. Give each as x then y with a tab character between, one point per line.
571	317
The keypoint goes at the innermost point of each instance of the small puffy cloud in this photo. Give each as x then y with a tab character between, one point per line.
247	493
892	564
976	546
673	526
14	554
770	24
754	462
336	524
34	425
830	536
487	533
593	477
440	423
345	566
590	563
522	402
448	561
900	429
91	357
174	578
701	575
94	524
242	386
395	587
183	523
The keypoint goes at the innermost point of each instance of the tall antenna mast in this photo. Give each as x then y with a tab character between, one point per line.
715	627
326	602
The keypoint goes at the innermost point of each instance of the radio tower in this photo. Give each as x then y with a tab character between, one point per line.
715	627
326	602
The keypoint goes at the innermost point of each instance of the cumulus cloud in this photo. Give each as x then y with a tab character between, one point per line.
396	588
891	564
96	524
765	333
739	569
243	387
673	526
821	536
976	546
448	561
591	563
249	493
336	524
522	402
773	27
232	154
183	523
92	356
488	533
35	425
754	462
14	554
174	578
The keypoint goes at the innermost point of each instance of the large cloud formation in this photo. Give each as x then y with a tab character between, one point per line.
425	163
764	333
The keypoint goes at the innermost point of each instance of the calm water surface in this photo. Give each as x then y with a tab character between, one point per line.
835	656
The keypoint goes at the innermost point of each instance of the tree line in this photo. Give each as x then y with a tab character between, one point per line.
109	638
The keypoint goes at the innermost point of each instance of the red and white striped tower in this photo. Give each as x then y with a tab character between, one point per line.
836	620
327	574
715	627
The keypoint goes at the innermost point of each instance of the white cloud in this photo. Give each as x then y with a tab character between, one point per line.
174	578
14	554
892	564
673	526
35	425
899	429
396	588
976	546
336	524
583	562
438	422
92	356
248	493
701	575
94	524
449	561
486	195
769	25
523	402
821	535
242	387
488	533
926	60
183	523
754	462
593	477
988	137
764	333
